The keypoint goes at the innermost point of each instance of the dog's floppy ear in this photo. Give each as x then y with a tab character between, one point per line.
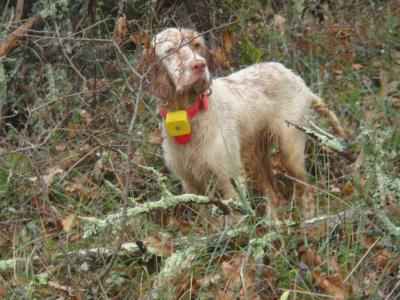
156	81
216	59
212	66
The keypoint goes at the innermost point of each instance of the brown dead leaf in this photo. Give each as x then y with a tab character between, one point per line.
338	74
74	129
368	241
382	258
141	39
139	158
67	222
230	272
309	257
334	267
10	41
24	88
369	282
348	189
3	291
48	179
332	285
77	189
163	246
229	40
97	85
357	67
250	291
279	23
57	286
3	241
334	189
367	114
61	147
341	33
377	64
219	58
232	281
224	295
349	55
154	137
112	70
210	280
397	56
120	29
86	117
74	238
136	37
396	102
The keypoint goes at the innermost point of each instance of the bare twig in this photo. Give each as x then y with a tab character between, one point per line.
67	57
361	260
391	294
129	164
35	146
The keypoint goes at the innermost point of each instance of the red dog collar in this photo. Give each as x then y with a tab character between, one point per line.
200	104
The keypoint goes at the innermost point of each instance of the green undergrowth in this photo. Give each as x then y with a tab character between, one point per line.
64	151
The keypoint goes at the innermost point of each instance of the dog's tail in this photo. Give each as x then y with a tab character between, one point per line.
322	109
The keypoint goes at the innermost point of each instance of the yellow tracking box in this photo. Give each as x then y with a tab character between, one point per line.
177	123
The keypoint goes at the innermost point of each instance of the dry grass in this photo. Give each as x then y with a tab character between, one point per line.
67	104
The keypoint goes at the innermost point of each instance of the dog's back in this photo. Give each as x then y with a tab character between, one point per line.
263	97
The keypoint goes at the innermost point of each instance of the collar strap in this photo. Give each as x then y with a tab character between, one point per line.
200	104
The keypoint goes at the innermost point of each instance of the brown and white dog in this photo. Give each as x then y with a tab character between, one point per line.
231	132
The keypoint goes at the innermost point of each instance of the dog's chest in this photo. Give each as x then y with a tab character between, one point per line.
192	158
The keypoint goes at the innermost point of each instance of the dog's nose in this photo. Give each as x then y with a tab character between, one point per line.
198	66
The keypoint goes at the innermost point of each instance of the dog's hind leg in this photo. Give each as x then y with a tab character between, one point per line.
258	160
292	147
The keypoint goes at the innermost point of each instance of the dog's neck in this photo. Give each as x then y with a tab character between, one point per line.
185	99
182	101
177	123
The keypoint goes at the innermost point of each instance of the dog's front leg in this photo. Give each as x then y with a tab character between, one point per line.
227	188
191	186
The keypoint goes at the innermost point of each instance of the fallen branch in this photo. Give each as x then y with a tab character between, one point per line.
131	249
246	233
127	248
93	225
326	140
11	41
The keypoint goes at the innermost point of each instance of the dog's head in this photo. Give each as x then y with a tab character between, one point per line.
174	62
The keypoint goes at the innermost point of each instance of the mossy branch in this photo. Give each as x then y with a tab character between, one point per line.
326	140
93	225
246	232
175	268
127	248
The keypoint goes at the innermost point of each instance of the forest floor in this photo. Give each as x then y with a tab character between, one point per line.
69	159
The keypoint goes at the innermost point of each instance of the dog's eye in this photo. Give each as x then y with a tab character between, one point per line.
196	45
170	50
